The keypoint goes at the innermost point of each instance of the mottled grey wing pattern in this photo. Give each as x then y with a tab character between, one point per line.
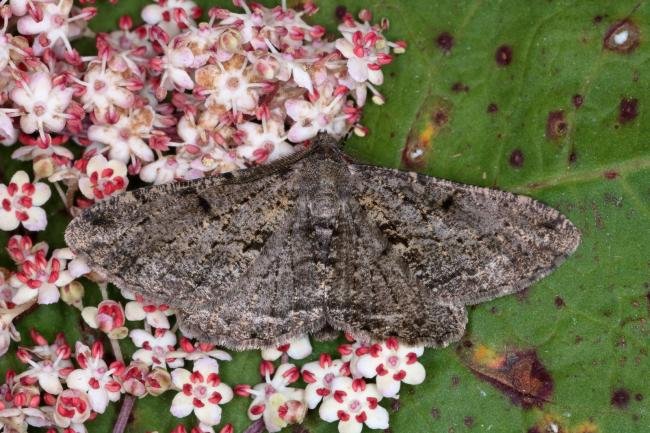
375	293
185	243
312	243
278	297
463	243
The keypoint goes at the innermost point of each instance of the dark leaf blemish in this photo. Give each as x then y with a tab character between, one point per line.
610	175
445	42
577	100
559	302
492	108
573	157
516	158
620	398
628	109
340	12
556	125
460	87
503	55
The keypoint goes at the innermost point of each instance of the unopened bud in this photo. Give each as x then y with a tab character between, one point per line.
72	294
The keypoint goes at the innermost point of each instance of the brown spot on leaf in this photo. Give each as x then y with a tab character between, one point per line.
577	100
628	109
492	108
598	19
503	55
556	125
340	12
519	374
516	158
460	87
622	37
559	302
435	413
610	175
445	42
455	381
441	117
573	157
638	396
433	116
620	398
468	421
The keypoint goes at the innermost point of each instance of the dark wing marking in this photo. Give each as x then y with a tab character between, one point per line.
465	244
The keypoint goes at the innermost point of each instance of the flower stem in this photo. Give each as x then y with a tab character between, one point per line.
256	427
125	414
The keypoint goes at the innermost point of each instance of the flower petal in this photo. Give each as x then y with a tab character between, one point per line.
377	418
387	386
180	377
134	311
42	194
8	220
37	219
48	294
350	426
329	409
415	374
181	405
98	399
210	414
78	379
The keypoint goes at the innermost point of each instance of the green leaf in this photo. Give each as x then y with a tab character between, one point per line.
588	321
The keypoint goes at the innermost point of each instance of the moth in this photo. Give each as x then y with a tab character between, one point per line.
314	243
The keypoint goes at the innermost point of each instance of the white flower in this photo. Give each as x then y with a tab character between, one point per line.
164	14
312	117
319	376
263	143
298	348
105	89
201	392
139	309
366	50
103	178
353	403
43	104
55	23
48	363
94	377
125	138
174	65
20	201
41	278
277	403
392	363
157	349
230	86
165	170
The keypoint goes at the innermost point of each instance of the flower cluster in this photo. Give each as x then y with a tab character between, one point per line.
175	98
